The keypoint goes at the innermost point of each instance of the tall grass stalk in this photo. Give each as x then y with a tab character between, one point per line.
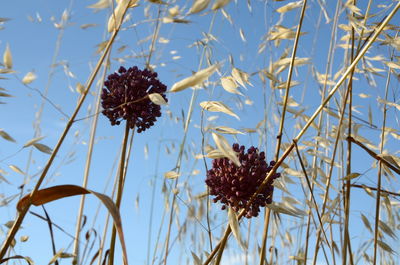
93	130
282	123
328	70
120	190
182	146
379	180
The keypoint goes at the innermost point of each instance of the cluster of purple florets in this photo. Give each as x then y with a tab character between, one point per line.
125	97
233	186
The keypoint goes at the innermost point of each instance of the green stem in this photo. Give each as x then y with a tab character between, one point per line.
121	181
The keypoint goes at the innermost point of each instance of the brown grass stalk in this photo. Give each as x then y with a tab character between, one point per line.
346	201
303	168
93	130
320	120
379	184
331	166
281	125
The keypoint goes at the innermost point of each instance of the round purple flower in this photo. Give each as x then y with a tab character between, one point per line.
233	186
125	97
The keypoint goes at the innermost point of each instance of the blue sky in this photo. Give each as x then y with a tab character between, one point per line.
32	38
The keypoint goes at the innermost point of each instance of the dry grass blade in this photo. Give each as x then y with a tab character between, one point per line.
157	99
32	141
216	106
227	130
195	79
198	6
225	148
214	154
351	176
16	169
196	259
6	136
241	77
29	78
101	4
43	148
7	58
58	192
289	6
27	259
60	255
234	224
220	4
229	84
171	175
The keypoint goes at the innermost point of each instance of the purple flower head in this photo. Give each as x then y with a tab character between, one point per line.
233	186
125	97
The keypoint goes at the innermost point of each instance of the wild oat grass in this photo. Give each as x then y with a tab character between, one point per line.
309	85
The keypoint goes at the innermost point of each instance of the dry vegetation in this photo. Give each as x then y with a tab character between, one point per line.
312	84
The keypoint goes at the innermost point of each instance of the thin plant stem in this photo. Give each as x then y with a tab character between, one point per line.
311	119
155	35
39	113
50	225
182	146
378	193
347	241
121	182
87	169
331	166
153	193
105	228
23	212
208	190
346	194
328	70
153	260
282	122
309	186
53	224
